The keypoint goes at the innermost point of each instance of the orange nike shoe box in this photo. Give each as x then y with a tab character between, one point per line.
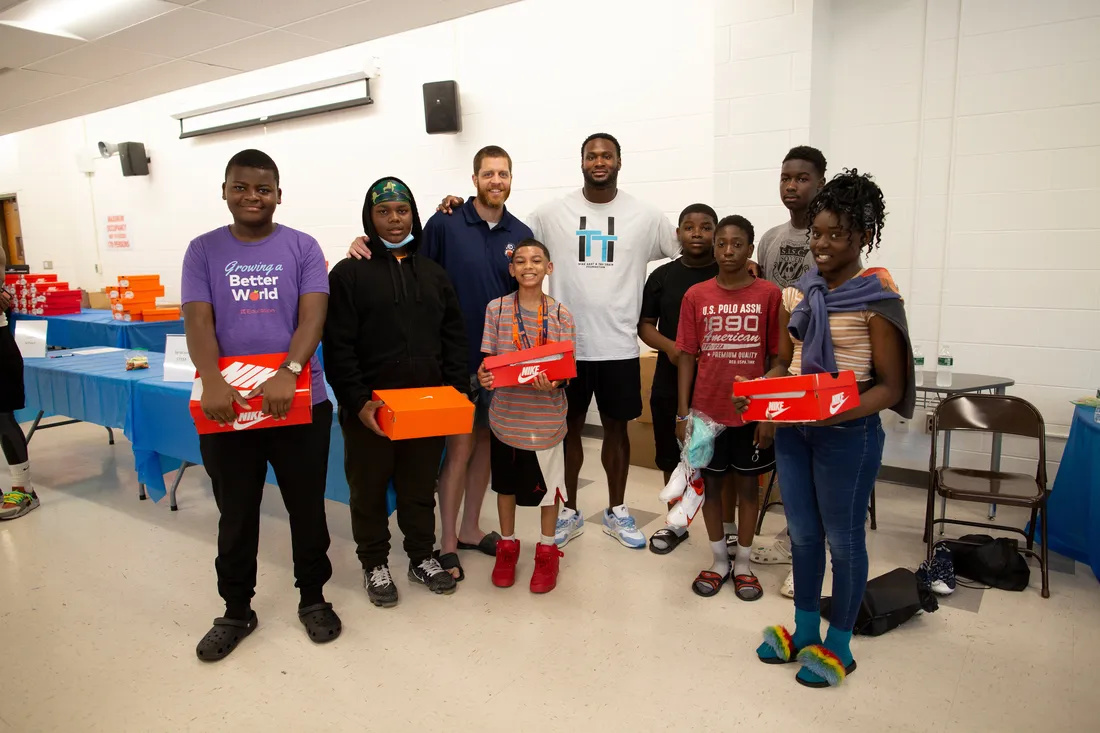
805	398
424	412
245	373
518	368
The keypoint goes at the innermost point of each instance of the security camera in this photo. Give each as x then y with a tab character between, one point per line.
108	150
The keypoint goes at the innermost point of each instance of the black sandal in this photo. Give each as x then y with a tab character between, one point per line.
321	622
224	637
449	561
670	538
487	545
707	584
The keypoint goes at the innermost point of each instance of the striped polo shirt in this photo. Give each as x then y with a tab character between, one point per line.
523	417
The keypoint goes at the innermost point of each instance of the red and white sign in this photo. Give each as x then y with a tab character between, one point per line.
519	368
245	373
805	398
117	233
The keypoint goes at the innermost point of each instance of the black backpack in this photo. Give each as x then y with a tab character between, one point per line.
993	562
889	601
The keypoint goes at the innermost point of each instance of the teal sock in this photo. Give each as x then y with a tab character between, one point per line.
807	632
816	671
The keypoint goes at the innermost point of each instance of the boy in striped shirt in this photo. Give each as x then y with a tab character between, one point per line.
527	422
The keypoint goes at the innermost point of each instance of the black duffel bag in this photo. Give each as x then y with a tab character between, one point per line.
993	562
889	601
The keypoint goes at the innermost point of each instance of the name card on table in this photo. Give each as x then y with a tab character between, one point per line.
30	337
177	360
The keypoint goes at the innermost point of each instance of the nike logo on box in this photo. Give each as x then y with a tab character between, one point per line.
837	402
248	420
775	409
528	374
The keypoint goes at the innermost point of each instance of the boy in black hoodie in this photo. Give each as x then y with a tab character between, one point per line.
393	323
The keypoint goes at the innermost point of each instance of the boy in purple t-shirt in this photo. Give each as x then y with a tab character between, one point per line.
257	287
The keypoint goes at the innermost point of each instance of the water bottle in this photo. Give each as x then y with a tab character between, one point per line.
943	368
918	366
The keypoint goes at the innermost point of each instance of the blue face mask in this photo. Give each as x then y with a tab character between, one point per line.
398	245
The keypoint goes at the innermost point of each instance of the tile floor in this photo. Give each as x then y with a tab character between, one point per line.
103	598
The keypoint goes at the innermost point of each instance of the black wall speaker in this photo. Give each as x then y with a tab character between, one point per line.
134	160
441	113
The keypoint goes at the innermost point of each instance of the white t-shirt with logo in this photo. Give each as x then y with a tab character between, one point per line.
600	253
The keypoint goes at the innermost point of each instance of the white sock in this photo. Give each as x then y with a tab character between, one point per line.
721	559
21	475
544	540
741	563
566	513
509	538
729	527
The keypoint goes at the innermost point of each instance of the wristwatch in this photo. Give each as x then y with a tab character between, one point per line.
293	367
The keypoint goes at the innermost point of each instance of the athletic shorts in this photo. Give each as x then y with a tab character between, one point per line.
663	409
12	396
734	450
481	398
534	477
617	386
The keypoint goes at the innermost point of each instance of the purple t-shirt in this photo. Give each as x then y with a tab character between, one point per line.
254	288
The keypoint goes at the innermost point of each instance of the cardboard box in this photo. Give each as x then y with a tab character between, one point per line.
643	451
99	301
649	367
518	368
424	412
804	398
245	373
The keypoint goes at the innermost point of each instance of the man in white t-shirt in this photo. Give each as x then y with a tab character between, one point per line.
601	240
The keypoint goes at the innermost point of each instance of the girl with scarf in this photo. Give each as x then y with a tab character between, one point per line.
837	316
393	323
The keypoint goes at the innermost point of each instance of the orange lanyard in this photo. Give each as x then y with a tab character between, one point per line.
519	333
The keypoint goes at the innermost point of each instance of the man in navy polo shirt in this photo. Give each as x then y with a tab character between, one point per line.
474	246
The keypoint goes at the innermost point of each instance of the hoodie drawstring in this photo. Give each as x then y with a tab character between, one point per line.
393	279
416	278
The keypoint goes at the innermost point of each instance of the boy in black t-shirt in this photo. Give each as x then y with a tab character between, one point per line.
664	291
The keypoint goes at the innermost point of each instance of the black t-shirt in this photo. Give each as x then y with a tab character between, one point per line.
661	299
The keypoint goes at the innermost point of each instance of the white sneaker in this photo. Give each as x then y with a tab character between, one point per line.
570	525
788	585
618	523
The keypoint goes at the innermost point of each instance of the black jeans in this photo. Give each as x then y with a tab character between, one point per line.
370	461
237	465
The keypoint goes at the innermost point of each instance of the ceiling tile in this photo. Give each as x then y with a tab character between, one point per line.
266	49
87	100
98	62
5	4
181	33
19	47
19	87
370	20
182	2
274	13
171	76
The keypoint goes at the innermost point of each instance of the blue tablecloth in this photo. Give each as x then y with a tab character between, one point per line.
98	328
152	413
1073	523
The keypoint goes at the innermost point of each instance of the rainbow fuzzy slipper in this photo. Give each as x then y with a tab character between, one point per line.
824	668
778	646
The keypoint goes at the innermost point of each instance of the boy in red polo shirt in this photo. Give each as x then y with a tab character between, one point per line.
731	323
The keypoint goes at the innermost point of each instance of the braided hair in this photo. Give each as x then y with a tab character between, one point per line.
856	196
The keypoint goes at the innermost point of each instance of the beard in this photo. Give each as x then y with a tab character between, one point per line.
484	200
611	181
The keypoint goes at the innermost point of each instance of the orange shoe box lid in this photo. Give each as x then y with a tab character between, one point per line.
142	293
131	317
805	398
424	412
161	314
137	282
245	373
135	306
518	368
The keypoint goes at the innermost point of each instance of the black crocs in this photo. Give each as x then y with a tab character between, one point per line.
487	545
321	622
224	637
449	561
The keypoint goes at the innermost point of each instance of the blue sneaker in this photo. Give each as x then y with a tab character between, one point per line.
568	527
619	524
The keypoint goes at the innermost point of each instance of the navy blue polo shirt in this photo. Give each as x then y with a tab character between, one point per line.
476	259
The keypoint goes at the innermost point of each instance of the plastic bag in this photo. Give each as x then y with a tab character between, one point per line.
685	487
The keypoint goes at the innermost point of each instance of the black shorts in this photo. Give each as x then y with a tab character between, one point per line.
617	386
663	409
12	396
520	473
734	450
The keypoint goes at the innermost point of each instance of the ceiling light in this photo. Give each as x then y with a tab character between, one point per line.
82	19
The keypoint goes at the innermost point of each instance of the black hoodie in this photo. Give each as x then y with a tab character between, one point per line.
392	324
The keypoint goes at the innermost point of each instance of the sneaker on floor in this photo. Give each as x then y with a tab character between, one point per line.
18	503
504	571
777	552
788	585
941	572
547	562
568	527
431	574
618	523
381	589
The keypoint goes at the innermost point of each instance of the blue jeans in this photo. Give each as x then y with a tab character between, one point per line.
825	476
